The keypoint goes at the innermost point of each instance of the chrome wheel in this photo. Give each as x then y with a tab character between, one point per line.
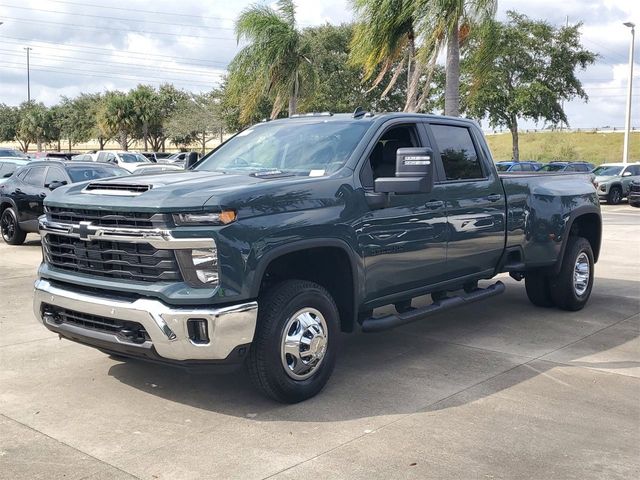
581	274
304	343
7	226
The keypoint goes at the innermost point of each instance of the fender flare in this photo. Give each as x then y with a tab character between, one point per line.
578	212
356	264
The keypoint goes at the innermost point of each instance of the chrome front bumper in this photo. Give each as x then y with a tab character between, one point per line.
229	327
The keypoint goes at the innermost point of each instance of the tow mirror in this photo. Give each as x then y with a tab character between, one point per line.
414	173
191	160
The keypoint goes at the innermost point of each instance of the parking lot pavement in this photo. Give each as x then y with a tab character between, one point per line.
499	389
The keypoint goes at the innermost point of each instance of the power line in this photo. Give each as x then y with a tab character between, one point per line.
34	9
117	64
102	29
141	79
125	52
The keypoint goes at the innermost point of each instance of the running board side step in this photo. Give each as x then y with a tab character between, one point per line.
378	324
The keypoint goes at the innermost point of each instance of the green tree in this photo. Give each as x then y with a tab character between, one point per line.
79	122
450	22
526	71
196	119
117	118
32	125
275	64
389	39
9	119
168	99
145	105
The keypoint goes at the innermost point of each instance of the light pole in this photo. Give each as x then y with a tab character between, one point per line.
627	125
28	49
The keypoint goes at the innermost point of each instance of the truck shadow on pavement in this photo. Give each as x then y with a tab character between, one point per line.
446	361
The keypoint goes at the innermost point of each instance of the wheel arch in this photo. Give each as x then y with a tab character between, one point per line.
584	222
328	262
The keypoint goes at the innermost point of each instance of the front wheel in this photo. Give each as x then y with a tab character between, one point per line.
296	341
10	228
615	196
571	288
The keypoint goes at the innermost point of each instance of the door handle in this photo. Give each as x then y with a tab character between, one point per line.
434	204
494	197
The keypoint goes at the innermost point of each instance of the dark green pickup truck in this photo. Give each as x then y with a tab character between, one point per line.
296	230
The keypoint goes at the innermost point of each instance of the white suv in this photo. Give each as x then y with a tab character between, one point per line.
127	160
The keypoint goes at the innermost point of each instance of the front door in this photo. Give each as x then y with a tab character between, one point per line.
404	243
475	201
32	198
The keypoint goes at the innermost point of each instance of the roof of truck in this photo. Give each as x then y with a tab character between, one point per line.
365	117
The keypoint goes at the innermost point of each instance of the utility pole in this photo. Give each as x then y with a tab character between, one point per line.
28	49
627	123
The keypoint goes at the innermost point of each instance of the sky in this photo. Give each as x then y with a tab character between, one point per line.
93	46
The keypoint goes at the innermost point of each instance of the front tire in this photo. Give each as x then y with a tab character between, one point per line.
615	196
571	288
10	228
294	349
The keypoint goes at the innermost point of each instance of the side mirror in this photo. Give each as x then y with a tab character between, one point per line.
55	184
414	173
191	160
626	174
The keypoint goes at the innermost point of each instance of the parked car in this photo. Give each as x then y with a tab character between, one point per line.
23	194
156	157
296	230
634	194
127	160
12	153
59	155
85	157
566	167
612	180
523	166
8	165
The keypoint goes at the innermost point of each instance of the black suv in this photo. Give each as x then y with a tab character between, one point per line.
22	195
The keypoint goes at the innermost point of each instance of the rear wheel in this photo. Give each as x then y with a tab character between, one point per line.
296	341
10	228
538	289
615	196
571	288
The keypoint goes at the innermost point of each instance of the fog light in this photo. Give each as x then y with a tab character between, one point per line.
205	264
198	330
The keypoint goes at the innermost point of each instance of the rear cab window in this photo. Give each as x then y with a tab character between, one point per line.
458	152
35	176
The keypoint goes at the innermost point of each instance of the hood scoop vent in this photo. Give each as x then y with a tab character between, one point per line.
123	189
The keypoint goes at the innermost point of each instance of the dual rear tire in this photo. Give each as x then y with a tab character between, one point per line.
570	288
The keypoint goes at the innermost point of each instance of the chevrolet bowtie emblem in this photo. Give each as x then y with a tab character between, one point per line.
83	230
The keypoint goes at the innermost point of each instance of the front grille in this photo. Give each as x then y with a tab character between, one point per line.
635	187
132	331
123	260
107	218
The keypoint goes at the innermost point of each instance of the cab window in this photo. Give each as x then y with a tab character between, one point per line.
457	152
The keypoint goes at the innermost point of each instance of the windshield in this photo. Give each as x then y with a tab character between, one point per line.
503	167
133	158
82	174
313	149
552	168
605	171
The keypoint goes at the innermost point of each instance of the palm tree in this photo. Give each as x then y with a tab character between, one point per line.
386	40
450	22
275	63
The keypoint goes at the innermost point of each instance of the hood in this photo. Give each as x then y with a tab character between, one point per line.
605	178
165	191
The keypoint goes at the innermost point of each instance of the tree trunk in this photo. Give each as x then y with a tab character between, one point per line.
204	142
163	144
293	99
145	128
221	134
124	142
413	78
514	138
39	144
69	145
452	78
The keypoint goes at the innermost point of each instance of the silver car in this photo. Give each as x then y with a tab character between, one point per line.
612	180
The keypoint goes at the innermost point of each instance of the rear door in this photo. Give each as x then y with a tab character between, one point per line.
475	200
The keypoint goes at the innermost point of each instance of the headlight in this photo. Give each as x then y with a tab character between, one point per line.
199	266
205	264
205	218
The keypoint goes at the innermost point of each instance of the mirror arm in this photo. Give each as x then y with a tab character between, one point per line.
377	200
